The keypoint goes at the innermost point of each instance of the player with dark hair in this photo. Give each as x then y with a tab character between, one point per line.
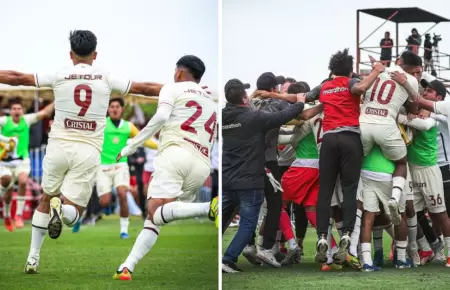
16	164
112	174
186	116
82	94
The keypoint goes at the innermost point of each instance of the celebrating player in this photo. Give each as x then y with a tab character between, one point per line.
16	165
186	116
382	103
112	174
73	153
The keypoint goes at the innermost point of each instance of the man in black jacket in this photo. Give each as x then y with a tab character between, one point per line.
243	157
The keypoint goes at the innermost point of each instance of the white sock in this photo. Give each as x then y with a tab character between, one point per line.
423	244
144	242
377	236
292	243
70	215
38	232
447	244
7	210
354	238
412	231
330	250
20	205
366	251
390	230
400	246
339	226
177	210
124	222
260	240
398	184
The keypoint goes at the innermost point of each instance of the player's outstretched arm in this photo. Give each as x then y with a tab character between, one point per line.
360	87
310	113
417	123
149	143
14	78
411	87
45	112
146	89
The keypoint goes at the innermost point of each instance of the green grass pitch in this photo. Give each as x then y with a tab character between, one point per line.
184	257
307	274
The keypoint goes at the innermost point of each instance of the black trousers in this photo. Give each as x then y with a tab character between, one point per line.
341	154
274	201
445	170
214	184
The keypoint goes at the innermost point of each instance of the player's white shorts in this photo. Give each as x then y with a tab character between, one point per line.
14	169
178	174
379	191
338	195
112	176
70	168
388	137
428	188
408	190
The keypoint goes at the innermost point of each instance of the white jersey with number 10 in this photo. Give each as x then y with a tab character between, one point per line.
81	101
192	123
385	98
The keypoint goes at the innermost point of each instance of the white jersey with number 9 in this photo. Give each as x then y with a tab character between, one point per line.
385	97
192	123
82	96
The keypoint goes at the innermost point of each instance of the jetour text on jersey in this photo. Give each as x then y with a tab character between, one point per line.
84	77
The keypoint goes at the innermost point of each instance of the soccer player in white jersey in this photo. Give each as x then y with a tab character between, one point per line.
382	103
81	95
186	116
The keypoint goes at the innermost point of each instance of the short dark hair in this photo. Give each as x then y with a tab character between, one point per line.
305	84
411	59
194	65
341	63
290	80
119	100
82	42
296	88
15	101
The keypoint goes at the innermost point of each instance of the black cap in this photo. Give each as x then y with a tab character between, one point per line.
234	90
268	80
436	86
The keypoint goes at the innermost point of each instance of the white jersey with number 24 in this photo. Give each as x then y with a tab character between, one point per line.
385	98
192	123
82	96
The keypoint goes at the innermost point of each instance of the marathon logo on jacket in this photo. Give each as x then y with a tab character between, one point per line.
231	126
335	90
80	125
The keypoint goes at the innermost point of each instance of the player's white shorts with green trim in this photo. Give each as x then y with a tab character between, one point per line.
428	188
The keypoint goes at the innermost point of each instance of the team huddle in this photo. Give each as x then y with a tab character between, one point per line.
85	147
401	125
